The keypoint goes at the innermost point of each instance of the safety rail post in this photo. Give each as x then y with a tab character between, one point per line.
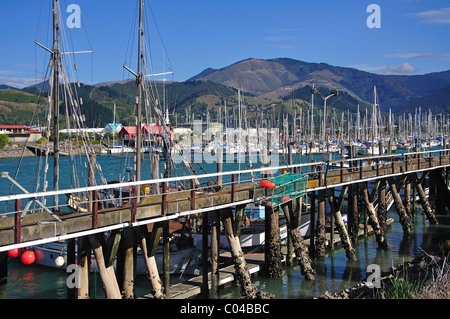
164	199
320	175
95	210
233	188
342	172
18	222
135	200
392	165
406	162
378	166
440	158
360	169
192	194
418	161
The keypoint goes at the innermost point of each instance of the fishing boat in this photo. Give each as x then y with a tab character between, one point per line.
118	149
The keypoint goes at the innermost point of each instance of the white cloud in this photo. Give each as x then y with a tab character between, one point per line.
441	16
411	55
401	69
19	83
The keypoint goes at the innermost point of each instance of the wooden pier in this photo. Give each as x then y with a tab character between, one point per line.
331	182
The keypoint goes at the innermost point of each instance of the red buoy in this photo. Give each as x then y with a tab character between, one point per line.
28	257
285	198
267	184
14	253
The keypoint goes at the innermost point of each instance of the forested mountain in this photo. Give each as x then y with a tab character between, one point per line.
276	85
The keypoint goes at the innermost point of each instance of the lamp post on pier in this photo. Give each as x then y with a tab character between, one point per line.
325	117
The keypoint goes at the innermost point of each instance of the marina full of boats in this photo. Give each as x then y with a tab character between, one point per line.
263	140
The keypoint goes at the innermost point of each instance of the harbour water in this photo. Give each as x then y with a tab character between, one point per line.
333	274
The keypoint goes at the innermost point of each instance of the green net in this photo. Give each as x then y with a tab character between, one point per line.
287	187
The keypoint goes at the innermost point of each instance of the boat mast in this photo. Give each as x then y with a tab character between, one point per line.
139	78
55	102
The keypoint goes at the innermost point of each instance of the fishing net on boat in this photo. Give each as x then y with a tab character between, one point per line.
284	188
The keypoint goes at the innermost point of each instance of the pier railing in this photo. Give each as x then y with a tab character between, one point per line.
23	225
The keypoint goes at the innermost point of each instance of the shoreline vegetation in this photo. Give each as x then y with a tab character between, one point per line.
424	277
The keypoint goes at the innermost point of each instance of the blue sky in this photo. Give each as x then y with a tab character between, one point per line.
413	37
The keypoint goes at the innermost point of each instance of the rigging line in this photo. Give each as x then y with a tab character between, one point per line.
159	34
26	143
131	36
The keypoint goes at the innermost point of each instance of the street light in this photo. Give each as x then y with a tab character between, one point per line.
325	98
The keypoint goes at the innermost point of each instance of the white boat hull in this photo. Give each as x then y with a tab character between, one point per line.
181	261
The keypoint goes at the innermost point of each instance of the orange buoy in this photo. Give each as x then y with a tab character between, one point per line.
28	257
14	253
285	198
267	184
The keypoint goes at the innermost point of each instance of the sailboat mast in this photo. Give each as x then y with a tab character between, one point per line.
139	78
55	101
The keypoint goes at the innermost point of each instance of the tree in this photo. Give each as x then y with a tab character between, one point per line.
4	140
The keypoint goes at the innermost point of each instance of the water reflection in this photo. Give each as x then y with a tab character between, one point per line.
333	274
337	273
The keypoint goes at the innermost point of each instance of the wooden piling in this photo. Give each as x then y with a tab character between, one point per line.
149	242
382	207
443	192
205	262
84	262
336	207
240	264
215	239
71	257
320	238
407	197
106	273
129	272
425	204
166	258
404	219
381	240
301	251
353	213
272	249
312	224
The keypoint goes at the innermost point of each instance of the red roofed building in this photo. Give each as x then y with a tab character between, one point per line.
20	133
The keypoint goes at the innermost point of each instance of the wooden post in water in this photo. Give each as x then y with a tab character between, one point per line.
443	193
84	261
107	273
301	251
205	262
166	258
320	227
353	213
272	249
382	208
336	207
312	224
240	264
381	239
405	221
71	257
425	204
215	239
149	243
129	245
